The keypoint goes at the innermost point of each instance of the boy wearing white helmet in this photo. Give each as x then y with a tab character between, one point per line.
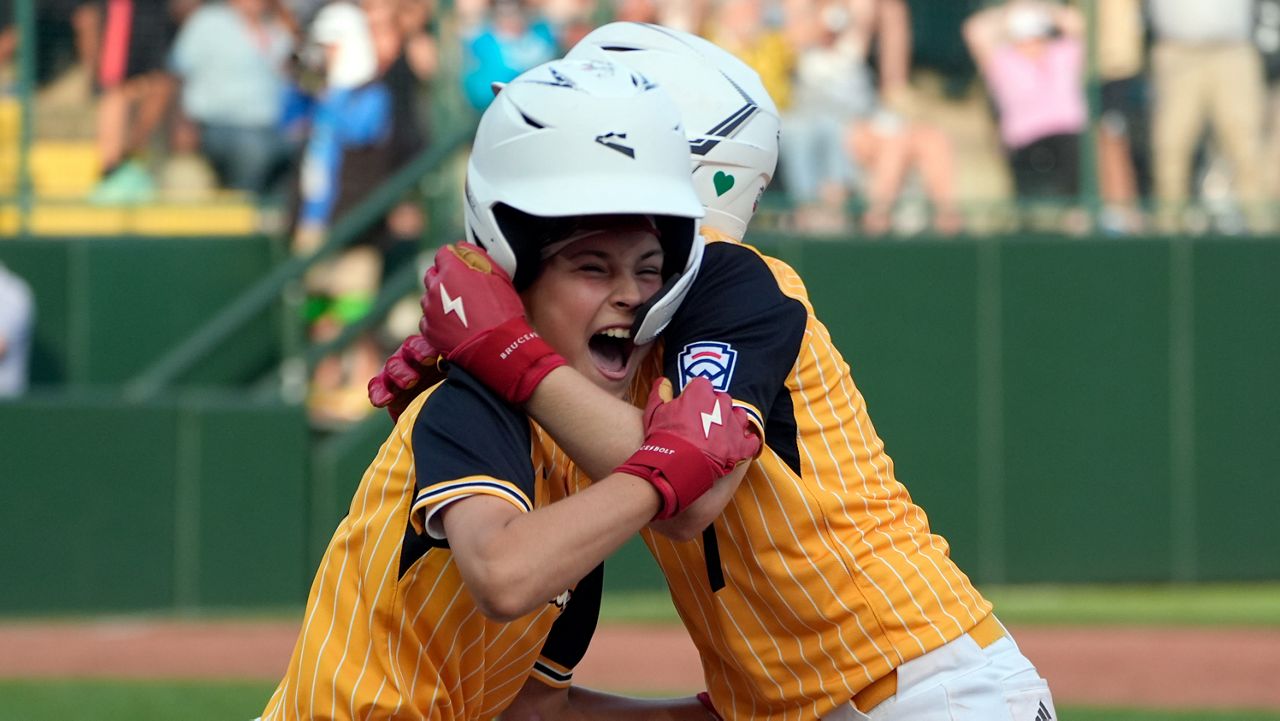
819	592
732	126
465	544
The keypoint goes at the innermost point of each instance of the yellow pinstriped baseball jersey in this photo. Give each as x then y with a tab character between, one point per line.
389	630
821	575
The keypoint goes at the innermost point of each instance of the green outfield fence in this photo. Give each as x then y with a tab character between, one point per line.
1074	410
1066	409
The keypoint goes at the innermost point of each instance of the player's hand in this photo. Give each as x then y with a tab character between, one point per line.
691	522
413	368
474	317
689	442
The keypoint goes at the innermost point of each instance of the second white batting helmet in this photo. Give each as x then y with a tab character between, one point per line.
731	122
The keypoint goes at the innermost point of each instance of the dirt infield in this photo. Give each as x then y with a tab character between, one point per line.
1153	668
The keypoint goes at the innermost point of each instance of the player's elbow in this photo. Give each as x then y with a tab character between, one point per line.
500	591
502	609
498	611
681	529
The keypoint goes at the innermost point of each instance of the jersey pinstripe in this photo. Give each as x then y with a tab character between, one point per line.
389	629
821	575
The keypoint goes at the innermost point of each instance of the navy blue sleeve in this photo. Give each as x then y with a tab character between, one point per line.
468	441
571	634
736	328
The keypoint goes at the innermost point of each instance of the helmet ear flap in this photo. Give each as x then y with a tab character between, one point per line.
673	234
681	262
641	328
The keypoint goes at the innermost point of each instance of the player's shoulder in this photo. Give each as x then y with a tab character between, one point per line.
731	254
462	406
748	271
728	262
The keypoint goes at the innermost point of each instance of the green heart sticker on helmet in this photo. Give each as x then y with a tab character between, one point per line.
723	182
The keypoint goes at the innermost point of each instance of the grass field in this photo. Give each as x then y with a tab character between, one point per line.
1216	605
160	701
1251	605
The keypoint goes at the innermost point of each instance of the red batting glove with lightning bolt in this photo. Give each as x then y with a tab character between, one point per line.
689	442
472	315
410	370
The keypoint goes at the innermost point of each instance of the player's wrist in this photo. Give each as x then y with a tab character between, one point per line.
676	468
510	359
533	376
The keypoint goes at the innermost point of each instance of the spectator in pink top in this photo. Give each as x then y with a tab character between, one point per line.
1032	56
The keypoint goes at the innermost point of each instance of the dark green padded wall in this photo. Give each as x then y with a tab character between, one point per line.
1086	419
106	307
181	503
1235	404
88	517
1065	410
244	469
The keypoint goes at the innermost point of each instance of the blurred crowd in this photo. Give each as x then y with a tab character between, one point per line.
287	99
1149	116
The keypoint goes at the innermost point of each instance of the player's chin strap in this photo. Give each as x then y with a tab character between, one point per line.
705	699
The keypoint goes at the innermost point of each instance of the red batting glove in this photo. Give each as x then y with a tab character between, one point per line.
475	318
689	442
410	370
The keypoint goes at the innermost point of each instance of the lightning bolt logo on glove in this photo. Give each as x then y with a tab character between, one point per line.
492	339
710	419
680	466
453	305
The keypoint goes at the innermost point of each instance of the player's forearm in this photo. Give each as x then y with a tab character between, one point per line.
535	556
598	431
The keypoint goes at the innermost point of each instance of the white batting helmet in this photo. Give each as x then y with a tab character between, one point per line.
579	137
731	121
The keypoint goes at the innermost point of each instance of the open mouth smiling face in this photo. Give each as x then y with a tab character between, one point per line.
584	300
611	350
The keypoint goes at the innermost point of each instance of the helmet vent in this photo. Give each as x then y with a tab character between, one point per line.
532	122
619	48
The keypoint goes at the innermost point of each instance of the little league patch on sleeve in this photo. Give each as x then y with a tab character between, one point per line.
711	360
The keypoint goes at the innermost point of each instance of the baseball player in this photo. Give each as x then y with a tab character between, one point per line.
464	564
820	591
